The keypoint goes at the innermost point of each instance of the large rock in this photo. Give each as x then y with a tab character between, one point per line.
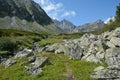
91	58
33	71
52	48
87	39
73	50
31	59
60	49
35	68
109	73
112	56
114	42
37	48
95	53
24	53
40	62
9	62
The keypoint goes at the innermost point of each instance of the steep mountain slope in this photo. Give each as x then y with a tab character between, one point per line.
65	25
24	15
89	26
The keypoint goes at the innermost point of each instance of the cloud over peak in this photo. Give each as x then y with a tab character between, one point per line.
69	13
55	10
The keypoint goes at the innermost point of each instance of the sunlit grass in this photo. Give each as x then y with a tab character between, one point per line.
54	70
50	41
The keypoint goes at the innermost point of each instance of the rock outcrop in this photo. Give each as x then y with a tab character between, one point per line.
95	48
89	47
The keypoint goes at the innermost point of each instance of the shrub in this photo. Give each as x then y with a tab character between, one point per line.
8	44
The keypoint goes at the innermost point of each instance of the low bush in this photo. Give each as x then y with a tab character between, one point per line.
8	44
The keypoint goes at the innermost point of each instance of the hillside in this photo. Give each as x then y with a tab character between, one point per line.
25	15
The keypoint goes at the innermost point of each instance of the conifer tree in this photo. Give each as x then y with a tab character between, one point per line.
117	17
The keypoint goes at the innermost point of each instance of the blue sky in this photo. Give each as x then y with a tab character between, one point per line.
79	11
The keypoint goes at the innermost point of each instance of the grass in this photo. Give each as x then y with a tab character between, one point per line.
83	69
14	33
54	70
23	39
59	38
15	72
49	41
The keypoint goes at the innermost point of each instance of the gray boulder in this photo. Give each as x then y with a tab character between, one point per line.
114	42
109	73
112	56
31	59
24	53
9	63
116	32
33	71
91	58
35	67
87	39
73	50
40	62
37	48
52	48
95	53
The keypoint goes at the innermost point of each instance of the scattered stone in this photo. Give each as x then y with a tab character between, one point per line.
36	66
109	73
23	53
99	68
31	59
33	71
9	63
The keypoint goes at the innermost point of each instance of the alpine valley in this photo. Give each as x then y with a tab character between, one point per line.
34	46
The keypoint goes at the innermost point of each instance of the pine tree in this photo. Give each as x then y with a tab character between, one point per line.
117	17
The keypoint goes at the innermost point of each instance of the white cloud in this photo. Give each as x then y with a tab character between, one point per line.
69	13
40	1
55	10
52	7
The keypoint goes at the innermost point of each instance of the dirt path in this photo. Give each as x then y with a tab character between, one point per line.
70	76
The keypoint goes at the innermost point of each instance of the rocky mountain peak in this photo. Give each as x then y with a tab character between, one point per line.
89	26
65	25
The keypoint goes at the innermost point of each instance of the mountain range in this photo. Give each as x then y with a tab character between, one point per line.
29	16
67	26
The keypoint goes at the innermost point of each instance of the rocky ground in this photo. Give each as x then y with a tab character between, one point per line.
94	48
90	47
